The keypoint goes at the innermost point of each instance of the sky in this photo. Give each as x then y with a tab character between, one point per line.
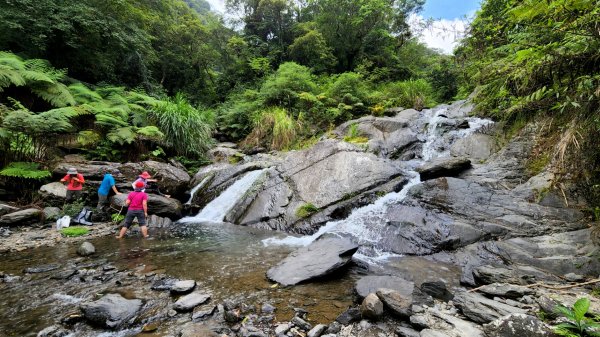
450	21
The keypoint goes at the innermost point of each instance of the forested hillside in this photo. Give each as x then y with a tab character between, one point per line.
125	80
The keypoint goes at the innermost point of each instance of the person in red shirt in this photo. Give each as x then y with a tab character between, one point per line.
137	201
74	182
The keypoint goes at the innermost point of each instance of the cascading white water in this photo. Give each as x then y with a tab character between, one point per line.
196	188
354	224
216	210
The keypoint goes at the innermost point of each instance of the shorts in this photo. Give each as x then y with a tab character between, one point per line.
131	214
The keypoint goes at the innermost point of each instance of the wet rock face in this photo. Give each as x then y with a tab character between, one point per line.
321	258
112	311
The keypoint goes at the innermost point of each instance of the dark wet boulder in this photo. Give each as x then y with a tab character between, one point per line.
158	205
23	217
172	179
443	167
111	311
517	325
319	259
155	221
348	316
437	290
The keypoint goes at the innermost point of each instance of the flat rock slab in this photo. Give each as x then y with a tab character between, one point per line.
321	258
483	310
190	301
184	286
164	284
111	311
506	290
443	167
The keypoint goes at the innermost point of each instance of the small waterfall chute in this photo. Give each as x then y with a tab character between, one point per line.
217	209
196	188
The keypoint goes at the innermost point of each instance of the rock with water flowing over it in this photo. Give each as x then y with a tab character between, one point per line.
190	301
483	310
299	180
517	325
443	167
111	311
24	217
159	205
321	258
86	249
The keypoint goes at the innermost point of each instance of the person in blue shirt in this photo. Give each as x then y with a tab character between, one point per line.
108	183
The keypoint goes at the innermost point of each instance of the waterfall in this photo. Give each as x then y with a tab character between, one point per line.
196	188
354	224
216	210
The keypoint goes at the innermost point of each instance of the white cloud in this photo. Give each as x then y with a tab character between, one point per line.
441	34
217	5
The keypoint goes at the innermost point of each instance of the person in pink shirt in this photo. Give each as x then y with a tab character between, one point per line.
74	182
137	201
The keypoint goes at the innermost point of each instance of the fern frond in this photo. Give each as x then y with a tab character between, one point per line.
88	138
25	170
83	94
150	132
122	136
109	120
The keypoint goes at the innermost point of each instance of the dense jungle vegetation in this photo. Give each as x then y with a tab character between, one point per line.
128	80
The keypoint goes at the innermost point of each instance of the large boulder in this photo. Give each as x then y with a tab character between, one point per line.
24	217
56	190
111	311
158	205
517	325
321	258
172	179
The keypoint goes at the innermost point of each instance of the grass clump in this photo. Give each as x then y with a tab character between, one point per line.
74	231
306	210
353	135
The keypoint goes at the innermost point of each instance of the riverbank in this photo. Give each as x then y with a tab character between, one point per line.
24	238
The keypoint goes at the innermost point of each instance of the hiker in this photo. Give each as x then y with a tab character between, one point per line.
137	201
108	183
148	187
74	182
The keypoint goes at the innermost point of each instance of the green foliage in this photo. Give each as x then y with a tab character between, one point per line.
25	170
416	94
306	210
353	135
74	231
273	127
117	217
72	209
577	323
187	130
284	87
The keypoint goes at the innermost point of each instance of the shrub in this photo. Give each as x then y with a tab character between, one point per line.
74	231
274	128
73	209
187	130
306	210
284	87
416	94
